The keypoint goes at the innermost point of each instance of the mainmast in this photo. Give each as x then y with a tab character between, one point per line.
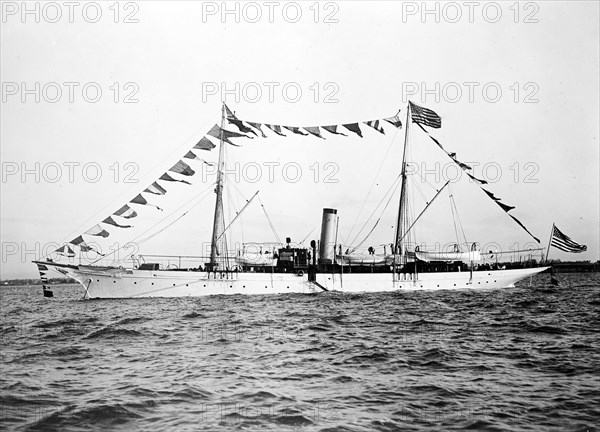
214	251
403	211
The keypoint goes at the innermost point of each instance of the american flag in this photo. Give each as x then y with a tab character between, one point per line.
564	243
425	116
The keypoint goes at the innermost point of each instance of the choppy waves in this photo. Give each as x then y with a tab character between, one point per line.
516	359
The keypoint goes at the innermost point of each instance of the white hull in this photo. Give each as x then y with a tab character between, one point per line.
122	283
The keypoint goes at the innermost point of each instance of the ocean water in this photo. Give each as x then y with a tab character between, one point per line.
519	359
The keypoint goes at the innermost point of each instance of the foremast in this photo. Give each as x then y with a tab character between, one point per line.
218	215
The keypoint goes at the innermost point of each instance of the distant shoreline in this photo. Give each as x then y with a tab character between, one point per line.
575	267
22	282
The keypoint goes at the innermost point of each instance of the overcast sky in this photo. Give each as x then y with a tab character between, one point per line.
516	86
